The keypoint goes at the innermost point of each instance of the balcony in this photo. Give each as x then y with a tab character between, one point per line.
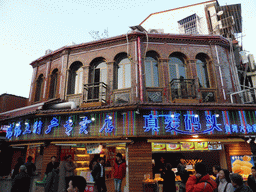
183	90
94	94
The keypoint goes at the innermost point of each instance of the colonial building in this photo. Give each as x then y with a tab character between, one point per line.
142	94
127	92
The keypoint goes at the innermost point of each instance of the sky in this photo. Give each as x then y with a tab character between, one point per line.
29	27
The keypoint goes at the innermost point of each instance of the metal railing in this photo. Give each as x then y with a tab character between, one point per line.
183	88
95	92
245	96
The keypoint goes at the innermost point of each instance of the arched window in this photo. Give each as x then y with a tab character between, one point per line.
202	71
39	88
98	71
151	69
75	80
177	67
53	84
97	74
122	72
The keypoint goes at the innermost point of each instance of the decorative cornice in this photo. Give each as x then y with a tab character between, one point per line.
169	38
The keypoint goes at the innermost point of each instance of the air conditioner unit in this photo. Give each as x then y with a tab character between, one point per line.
48	51
248	97
159	31
226	22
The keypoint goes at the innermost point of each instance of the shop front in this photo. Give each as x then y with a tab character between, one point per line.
215	137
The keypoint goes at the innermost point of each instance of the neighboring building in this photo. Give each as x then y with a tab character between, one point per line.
9	102
202	18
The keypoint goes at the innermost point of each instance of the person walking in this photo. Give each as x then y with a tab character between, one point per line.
183	173
98	174
237	182
161	166
52	181
169	179
201	181
119	172
31	168
252	179
67	168
16	169
215	170
21	182
224	181
52	165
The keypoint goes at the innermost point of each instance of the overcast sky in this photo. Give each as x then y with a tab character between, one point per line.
29	27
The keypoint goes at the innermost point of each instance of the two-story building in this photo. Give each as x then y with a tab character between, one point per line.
142	94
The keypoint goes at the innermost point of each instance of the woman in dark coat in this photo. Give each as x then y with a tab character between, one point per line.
169	178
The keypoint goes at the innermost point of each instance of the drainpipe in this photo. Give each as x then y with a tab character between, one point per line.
140	67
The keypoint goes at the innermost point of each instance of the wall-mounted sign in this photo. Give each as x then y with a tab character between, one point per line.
214	146
146	123
242	164
158	147
201	145
187	146
201	122
94	149
173	147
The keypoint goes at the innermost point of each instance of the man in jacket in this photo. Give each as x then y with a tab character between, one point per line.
52	165
66	171
252	179
119	172
216	169
21	182
201	182
98	174
31	168
237	182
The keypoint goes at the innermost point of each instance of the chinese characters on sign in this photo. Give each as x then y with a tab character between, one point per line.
154	122
108	125
190	123
84	125
69	126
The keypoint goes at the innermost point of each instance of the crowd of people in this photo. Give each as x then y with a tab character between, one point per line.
61	176
201	181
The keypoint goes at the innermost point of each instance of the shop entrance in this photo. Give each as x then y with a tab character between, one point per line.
209	158
86	155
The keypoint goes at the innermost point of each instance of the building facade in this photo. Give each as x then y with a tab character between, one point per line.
143	95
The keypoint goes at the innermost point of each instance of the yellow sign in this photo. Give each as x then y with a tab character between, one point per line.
187	146
173	147
201	145
158	147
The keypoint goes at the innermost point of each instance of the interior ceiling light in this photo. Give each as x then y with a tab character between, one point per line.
249	140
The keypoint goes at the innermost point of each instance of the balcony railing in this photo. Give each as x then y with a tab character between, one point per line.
246	96
183	88
95	92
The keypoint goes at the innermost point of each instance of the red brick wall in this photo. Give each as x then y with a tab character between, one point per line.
49	151
140	163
